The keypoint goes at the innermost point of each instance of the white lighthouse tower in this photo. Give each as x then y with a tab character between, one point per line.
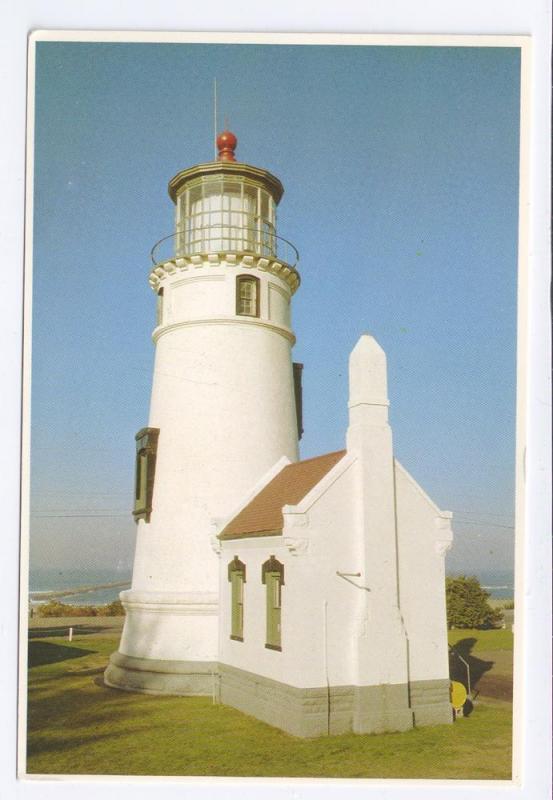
225	407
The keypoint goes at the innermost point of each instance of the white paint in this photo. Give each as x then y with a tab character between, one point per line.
223	400
421	526
367	516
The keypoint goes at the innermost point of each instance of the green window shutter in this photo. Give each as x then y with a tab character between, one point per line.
237	600
272	575
297	372
143	459
146	452
272	580
237	578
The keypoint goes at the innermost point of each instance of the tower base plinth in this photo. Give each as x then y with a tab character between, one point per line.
152	676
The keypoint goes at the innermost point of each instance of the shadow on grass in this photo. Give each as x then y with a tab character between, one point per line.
72	740
41	653
95	717
63	630
477	666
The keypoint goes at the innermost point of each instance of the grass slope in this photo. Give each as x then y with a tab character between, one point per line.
78	726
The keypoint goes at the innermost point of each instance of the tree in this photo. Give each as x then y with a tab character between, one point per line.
467	604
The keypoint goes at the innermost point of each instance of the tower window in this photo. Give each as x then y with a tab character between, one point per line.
146	451
237	578
247	296
297	372
159	308
272	575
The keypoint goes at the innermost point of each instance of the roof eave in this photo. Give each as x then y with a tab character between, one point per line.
225	536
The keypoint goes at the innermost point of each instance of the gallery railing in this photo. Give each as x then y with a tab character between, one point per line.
224	239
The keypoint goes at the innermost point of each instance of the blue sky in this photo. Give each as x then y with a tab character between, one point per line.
400	167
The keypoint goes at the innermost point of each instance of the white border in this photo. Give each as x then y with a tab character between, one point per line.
515	17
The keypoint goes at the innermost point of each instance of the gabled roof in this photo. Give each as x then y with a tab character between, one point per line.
262	516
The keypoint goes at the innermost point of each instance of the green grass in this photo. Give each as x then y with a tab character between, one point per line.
489	640
78	726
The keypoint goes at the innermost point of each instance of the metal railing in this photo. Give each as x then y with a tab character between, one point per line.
219	238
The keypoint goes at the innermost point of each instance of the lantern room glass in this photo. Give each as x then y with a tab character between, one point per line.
225	215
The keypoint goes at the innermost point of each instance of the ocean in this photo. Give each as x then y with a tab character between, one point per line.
53	580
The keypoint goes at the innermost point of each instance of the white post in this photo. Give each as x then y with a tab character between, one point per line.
70	634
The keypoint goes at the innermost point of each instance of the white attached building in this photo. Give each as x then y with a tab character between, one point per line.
310	594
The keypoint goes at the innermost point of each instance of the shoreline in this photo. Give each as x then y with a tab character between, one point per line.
39	597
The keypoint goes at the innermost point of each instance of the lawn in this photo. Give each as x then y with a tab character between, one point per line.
78	726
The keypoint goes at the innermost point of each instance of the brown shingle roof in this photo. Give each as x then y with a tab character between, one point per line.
263	515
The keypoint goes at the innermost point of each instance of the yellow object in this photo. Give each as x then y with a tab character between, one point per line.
457	695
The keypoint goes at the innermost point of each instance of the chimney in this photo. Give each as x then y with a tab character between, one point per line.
368	393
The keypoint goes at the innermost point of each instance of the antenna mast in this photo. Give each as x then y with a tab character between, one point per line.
215	118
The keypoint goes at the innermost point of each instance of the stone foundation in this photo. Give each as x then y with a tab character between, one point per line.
430	702
311	712
151	676
377	709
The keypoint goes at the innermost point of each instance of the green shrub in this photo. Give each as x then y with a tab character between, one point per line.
114	609
467	604
56	609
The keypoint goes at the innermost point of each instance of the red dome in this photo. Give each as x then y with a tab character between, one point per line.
226	145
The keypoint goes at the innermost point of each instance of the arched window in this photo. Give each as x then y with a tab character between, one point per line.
247	296
272	575
237	579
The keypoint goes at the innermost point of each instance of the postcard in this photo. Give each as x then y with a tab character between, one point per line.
274	409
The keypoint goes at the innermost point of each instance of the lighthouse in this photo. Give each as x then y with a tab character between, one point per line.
225	407
288	589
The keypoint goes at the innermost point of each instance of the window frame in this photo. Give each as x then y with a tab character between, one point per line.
160	306
145	467
237	579
254	281
272	575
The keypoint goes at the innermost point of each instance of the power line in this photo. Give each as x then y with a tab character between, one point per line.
481	513
77	516
482	524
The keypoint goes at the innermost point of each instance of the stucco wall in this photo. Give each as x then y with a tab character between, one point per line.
223	400
326	535
328	539
422	534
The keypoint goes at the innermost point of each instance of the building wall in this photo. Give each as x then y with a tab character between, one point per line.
423	531
315	686
312	551
223	400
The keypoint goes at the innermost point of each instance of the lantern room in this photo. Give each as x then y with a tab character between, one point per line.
226	206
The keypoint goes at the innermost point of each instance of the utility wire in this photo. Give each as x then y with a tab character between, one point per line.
77	516
54	515
482	513
482	524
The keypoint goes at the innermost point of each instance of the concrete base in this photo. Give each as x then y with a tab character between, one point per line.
301	712
151	676
323	711
377	709
305	712
430	702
